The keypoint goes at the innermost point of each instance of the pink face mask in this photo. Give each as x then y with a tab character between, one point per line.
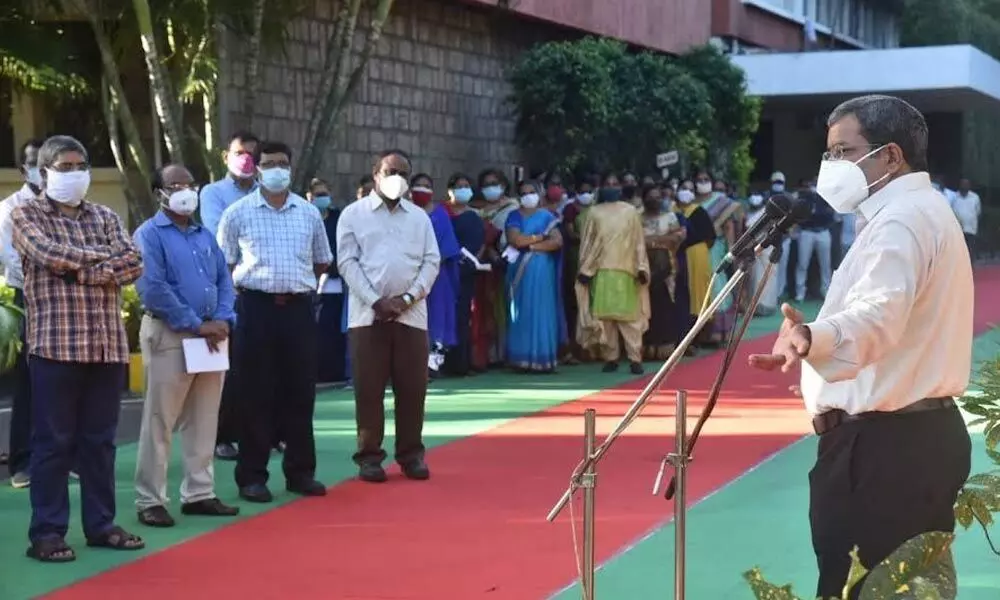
240	165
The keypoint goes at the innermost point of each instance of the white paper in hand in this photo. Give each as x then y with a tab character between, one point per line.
198	358
475	261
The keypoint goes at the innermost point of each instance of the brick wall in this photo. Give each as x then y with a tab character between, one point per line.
434	88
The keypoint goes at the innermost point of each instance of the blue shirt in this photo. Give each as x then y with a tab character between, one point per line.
185	280
821	214
216	197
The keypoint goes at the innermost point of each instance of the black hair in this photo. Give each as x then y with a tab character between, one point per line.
156	182
317	182
501	178
647	188
242	136
553	175
888	120
608	175
366	180
393	152
271	147
413	180
455	178
35	143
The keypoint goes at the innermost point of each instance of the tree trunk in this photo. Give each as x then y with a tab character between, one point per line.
143	199
339	83
168	109
253	63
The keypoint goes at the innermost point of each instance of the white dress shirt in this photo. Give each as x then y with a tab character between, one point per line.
8	255
968	209
274	250
385	253
896	326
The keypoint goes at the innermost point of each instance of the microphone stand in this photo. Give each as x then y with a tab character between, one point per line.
587	466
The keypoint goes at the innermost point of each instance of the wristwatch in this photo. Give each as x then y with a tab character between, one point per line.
408	298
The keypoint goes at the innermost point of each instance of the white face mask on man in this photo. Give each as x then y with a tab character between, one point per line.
843	184
67	187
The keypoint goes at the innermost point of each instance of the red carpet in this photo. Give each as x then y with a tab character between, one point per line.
478	529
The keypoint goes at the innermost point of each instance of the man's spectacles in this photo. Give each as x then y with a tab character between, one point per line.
841	152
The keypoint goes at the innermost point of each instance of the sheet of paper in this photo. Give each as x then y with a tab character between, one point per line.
333	285
472	259
199	359
510	254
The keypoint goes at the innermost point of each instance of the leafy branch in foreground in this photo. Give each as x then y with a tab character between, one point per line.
922	568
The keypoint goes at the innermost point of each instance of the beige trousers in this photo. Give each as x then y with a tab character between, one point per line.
177	401
631	332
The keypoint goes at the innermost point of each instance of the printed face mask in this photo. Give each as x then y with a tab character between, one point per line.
240	165
183	202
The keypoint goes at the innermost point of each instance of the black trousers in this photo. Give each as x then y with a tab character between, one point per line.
331	342
20	412
228	427
880	482
459	358
275	355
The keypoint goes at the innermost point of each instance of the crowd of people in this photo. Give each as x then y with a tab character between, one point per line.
408	281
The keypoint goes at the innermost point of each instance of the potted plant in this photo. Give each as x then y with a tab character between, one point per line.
132	316
10	328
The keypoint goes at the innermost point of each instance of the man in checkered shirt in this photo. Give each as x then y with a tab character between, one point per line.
275	242
76	256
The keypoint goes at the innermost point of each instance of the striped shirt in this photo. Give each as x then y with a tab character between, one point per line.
77	320
274	250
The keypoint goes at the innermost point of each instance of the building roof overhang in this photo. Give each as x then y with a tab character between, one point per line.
933	78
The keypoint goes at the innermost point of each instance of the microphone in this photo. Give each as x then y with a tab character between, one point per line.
780	214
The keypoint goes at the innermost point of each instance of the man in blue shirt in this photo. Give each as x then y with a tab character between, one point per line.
240	180
187	292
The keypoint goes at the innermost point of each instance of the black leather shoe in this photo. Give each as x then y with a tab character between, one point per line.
416	469
226	452
210	507
372	473
155	516
636	368
610	367
309	487
256	492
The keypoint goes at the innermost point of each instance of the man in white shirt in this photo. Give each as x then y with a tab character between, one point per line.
20	418
889	350
968	209
388	255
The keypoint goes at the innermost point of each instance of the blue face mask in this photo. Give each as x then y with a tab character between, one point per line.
610	194
492	193
322	202
462	195
276	179
777	187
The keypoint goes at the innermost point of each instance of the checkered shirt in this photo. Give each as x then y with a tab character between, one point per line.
274	250
78	321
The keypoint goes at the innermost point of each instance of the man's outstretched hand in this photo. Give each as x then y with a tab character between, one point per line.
792	345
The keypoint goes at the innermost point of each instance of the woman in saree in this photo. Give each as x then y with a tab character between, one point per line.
532	284
443	297
572	227
489	312
727	221
471	236
663	235
700	238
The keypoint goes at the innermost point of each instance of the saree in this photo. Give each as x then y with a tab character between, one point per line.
443	297
490	303
664	328
700	235
727	219
533	290
471	235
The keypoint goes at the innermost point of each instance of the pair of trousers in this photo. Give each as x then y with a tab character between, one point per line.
631	332
227	431
382	352
459	359
276	360
880	482
769	297
821	243
75	412
331	343
20	411
177	401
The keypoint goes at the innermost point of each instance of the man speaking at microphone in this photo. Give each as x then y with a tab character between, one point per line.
889	350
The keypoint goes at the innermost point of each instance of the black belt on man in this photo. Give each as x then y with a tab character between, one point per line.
159	318
278	299
832	419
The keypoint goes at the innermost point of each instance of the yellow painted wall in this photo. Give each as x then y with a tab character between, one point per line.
106	188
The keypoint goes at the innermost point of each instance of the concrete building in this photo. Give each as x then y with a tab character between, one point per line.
435	86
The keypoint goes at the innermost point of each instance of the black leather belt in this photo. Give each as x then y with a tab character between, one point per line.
832	419
278	299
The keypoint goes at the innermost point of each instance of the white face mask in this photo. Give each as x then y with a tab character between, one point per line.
33	175
529	200
843	184
183	202
703	187
67	188
756	200
685	196
585	199
393	187
778	187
